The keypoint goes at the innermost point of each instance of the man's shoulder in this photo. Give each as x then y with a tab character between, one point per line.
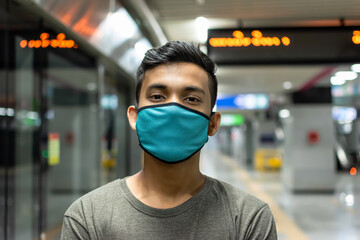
237	198
104	191
251	216
96	199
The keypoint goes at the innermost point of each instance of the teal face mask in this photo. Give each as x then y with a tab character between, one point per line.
171	132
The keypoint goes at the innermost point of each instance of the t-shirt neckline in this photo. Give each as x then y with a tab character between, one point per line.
169	212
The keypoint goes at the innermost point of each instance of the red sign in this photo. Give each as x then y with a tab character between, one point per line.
313	137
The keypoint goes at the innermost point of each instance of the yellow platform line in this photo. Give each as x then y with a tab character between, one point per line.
286	227
51	234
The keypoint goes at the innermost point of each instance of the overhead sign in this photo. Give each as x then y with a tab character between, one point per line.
284	45
45	42
256	39
243	102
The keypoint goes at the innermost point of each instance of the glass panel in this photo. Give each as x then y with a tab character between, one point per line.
22	134
114	123
3	122
19	125
73	140
50	128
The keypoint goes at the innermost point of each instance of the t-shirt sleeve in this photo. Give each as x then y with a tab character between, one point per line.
72	229
76	222
262	226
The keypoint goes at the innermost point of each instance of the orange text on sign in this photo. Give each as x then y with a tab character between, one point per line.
45	42
257	40
356	37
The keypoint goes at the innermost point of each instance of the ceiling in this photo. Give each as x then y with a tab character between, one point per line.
255	9
177	19
265	79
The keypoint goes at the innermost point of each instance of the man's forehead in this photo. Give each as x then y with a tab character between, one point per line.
184	74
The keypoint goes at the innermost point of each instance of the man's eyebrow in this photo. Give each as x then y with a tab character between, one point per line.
156	86
194	89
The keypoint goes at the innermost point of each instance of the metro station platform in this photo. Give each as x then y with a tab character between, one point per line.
313	216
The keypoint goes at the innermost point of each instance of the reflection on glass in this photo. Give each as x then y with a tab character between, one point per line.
73	156
113	157
25	127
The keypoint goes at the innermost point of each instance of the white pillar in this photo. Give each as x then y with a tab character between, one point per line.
309	167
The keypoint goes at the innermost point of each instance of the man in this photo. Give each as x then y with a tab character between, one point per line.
170	198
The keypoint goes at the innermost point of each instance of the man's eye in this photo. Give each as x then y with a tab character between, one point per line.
156	97
192	100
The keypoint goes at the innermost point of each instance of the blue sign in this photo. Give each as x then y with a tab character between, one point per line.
243	102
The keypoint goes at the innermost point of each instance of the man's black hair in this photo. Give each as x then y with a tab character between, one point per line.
176	52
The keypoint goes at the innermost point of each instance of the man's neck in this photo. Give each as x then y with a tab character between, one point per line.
163	185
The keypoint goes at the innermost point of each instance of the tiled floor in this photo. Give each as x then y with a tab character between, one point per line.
298	216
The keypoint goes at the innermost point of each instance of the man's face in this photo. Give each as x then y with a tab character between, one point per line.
183	83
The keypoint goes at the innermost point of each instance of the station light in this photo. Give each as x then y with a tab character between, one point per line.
344	114
355	68
7	112
284	113
128	27
32	115
3	112
141	47
353	171
337	80
346	75
349	199
200	2
202	26
287	85
83	26
10	112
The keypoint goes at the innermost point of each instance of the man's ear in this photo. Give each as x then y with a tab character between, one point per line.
214	124
132	116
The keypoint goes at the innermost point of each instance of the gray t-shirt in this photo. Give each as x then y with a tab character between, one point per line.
218	211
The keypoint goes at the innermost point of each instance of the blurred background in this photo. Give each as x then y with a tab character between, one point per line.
289	86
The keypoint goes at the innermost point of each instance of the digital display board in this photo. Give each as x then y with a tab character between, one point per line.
44	42
284	45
